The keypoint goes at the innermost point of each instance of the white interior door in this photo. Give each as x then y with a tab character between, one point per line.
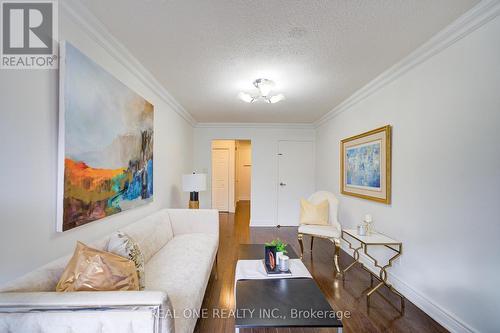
220	179
295	179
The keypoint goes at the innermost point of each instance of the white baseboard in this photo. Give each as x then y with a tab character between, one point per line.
262	223
439	314
268	223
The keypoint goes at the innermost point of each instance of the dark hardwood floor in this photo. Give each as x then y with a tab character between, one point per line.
382	316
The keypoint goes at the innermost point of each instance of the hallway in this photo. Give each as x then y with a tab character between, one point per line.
383	315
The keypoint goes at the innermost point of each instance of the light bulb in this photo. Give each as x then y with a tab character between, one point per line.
264	89
264	85
245	97
276	98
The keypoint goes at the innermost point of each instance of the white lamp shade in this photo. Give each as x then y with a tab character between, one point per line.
195	182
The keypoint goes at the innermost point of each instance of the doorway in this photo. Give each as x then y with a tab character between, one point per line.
231	174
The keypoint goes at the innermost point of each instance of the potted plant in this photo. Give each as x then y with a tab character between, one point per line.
280	248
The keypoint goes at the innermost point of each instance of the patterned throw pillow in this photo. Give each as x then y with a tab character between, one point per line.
123	245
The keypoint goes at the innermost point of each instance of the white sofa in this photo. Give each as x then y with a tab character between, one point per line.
179	246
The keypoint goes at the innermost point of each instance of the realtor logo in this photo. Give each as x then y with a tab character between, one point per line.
29	34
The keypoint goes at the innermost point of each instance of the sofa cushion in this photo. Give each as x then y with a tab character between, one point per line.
182	269
320	230
151	232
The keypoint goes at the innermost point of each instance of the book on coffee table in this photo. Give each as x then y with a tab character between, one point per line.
276	271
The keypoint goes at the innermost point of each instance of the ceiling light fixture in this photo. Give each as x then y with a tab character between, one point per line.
264	86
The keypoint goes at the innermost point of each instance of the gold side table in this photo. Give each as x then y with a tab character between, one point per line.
379	240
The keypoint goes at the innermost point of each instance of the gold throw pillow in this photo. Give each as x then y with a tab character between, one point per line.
94	270
314	214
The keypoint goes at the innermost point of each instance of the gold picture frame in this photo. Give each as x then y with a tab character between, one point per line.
365	165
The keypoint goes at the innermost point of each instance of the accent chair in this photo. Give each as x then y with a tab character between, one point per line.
332	231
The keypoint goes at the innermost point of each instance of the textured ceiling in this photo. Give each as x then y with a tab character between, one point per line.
317	51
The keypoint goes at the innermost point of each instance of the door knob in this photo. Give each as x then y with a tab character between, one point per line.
282	184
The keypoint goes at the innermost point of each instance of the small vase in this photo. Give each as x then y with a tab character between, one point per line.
362	230
284	263
278	257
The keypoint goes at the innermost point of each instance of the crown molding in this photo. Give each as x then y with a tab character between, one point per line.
476	17
100	34
309	126
473	19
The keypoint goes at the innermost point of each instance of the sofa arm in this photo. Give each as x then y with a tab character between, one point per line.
185	221
109	311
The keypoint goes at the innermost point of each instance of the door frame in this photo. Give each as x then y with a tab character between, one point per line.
210	171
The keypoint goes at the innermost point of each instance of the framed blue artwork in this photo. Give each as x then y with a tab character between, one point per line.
366	165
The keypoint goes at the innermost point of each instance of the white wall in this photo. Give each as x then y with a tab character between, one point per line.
446	177
264	162
28	150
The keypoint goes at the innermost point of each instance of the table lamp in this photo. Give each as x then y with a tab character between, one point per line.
194	183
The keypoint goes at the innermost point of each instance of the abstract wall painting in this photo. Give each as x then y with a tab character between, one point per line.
366	165
105	143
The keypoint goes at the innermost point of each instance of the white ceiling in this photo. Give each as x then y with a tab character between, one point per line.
317	51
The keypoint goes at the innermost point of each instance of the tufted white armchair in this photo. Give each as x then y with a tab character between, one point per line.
331	232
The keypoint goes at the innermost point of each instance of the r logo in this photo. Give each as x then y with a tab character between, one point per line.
27	27
29	36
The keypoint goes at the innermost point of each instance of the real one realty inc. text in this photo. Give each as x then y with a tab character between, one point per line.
261	313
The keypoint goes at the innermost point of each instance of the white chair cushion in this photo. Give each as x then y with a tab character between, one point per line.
320	230
182	269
